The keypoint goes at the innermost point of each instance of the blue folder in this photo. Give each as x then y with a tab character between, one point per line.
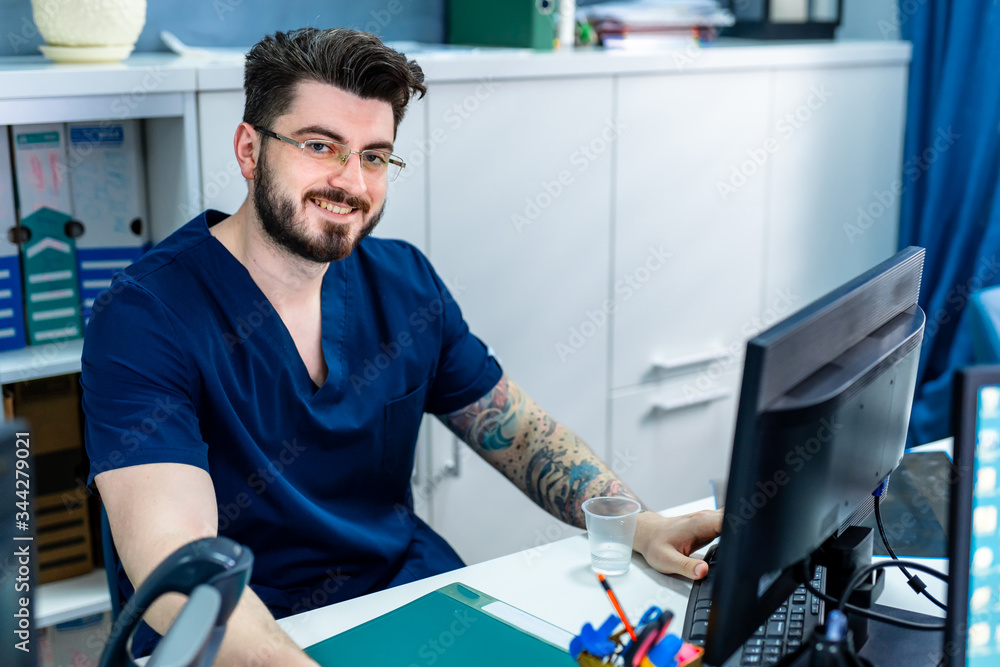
445	628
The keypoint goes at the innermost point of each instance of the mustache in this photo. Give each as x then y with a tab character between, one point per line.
336	194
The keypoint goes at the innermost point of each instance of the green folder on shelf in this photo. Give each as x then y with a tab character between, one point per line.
454	625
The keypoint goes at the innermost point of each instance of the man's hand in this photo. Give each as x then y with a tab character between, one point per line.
667	542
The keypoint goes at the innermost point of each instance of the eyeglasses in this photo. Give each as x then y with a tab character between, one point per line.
374	163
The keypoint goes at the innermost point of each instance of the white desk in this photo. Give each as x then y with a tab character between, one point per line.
555	583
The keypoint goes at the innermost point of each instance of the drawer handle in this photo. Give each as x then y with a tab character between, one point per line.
690	360
669	405
453	468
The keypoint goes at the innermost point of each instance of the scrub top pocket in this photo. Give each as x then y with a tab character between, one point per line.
402	426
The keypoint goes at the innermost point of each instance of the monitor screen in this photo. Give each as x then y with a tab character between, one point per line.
822	420
984	577
972	635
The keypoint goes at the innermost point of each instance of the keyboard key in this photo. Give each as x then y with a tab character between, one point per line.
701	614
815	609
703	604
772	643
794	644
778	616
759	632
775	628
797	615
751	660
752	650
799	598
795	633
754	642
699	629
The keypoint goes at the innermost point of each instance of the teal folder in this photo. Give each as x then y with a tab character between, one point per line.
445	628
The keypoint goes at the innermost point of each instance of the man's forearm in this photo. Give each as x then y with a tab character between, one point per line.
546	460
253	638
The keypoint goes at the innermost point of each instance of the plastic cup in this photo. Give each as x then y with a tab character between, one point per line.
610	531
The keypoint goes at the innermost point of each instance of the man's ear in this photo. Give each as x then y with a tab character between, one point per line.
246	144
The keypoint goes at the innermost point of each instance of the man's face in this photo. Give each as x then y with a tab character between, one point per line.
291	192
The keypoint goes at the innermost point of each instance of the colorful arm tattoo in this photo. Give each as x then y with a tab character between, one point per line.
546	460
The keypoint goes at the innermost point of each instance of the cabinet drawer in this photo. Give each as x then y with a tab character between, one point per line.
689	247
669	441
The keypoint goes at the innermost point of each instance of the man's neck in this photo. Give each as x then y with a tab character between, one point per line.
286	280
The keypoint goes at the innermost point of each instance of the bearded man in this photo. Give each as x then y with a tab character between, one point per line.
218	373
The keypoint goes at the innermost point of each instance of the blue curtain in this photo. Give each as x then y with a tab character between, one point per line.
951	174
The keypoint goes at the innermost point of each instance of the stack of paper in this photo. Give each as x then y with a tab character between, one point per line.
656	23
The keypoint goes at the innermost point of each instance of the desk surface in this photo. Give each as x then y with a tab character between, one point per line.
555	583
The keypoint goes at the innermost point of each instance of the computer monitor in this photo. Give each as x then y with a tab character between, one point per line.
972	628
822	420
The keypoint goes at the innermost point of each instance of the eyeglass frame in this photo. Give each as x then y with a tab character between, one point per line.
392	159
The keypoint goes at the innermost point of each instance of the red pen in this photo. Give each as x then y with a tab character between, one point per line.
618	607
653	638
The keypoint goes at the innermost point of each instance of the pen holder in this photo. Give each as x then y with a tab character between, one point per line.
601	647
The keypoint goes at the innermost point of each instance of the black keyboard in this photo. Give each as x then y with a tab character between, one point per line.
783	633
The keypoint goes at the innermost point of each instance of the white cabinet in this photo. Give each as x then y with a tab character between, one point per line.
520	198
222	185
683	136
835	182
672	438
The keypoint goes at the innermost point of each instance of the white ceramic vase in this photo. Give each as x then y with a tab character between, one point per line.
89	30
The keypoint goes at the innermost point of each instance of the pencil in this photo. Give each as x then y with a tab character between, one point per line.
618	607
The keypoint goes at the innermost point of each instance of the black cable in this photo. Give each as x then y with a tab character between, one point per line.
914	582
866	613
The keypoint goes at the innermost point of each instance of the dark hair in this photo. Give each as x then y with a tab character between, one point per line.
356	62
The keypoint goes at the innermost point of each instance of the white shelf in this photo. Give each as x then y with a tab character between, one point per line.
40	361
69	599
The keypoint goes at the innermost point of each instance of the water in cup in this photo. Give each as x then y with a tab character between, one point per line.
610	557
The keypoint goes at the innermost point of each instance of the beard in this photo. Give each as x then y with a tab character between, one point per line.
287	231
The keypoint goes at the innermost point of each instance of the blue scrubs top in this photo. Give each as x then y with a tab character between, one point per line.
186	361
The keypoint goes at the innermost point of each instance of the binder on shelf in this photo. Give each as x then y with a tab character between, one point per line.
471	627
40	168
109	198
11	299
51	290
